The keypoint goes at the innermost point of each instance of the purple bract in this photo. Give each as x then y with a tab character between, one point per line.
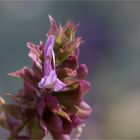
52	97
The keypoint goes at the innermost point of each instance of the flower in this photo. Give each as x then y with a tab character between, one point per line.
52	96
50	79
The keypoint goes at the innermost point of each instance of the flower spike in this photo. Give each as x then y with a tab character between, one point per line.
52	97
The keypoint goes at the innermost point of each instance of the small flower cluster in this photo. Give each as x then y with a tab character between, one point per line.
52	97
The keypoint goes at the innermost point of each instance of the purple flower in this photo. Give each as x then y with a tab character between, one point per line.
52	97
50	79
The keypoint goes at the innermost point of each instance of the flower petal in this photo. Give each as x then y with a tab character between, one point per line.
69	97
27	76
84	110
69	30
85	87
51	81
53	27
35	54
48	81
67	126
63	73
70	62
36	71
54	123
76	120
82	72
48	54
68	50
58	85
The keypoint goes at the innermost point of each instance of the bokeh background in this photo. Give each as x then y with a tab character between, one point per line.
111	31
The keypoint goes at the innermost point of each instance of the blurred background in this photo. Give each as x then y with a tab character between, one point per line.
111	51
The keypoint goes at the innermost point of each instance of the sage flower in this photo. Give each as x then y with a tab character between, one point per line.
52	97
50	79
